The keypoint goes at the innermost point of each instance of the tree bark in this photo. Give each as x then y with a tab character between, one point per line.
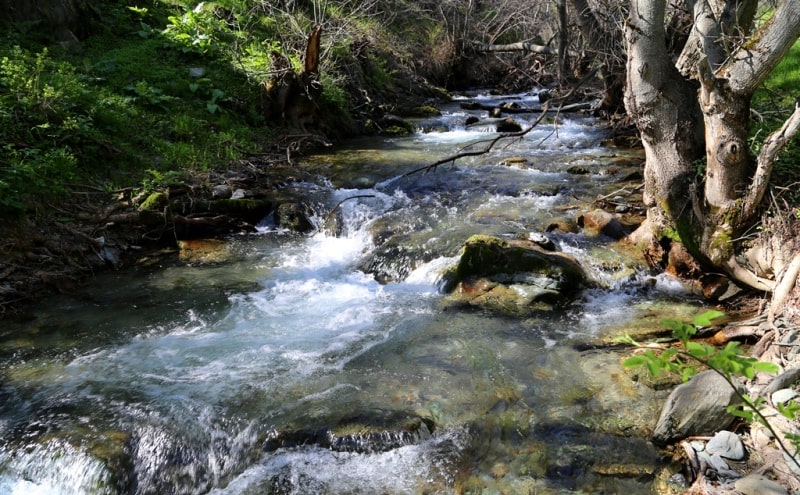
563	41
664	107
520	46
291	97
679	125
605	42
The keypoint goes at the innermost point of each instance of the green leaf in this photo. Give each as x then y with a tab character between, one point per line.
697	349
625	339
766	367
705	319
736	410
653	367
634	361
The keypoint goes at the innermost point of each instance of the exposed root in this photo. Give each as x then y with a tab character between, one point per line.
747	277
783	288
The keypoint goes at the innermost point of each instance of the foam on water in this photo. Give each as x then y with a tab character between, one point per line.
53	469
307	470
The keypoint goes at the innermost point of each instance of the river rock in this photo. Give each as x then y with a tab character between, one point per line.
756	484
726	444
783	396
513	276
788	378
293	216
599	222
204	251
508	125
697	407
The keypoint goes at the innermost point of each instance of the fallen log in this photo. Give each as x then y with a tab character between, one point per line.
520	46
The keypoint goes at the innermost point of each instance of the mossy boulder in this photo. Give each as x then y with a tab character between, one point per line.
424	111
513	276
154	202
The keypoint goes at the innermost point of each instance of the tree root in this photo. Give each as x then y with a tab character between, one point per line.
786	282
747	277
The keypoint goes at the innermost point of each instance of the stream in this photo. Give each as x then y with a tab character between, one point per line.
332	363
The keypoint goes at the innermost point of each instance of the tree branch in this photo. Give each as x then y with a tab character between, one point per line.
750	65
488	148
523	46
766	161
703	42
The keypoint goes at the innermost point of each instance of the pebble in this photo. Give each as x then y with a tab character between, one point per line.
783	396
542	241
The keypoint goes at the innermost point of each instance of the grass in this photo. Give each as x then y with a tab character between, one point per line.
774	102
170	87
167	85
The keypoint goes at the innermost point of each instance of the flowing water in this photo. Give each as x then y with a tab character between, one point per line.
331	363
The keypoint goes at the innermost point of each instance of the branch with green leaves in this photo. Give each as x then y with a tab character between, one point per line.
729	362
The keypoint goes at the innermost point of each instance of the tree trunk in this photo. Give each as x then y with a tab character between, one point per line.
604	40
674	120
663	105
520	46
292	98
563	41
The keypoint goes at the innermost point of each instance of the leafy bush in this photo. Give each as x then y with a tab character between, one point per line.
729	362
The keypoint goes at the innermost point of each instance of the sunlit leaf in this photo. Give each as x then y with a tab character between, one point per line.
634	361
705	319
766	367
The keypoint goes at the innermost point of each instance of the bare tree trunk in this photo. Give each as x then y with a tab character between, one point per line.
290	97
664	107
520	46
674	121
604	41
563	41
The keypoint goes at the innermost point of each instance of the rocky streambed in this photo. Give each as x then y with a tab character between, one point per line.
353	329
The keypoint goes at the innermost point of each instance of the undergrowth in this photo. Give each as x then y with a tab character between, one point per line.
160	85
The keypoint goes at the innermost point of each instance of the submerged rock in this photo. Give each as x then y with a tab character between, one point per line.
203	251
508	125
513	276
293	216
355	437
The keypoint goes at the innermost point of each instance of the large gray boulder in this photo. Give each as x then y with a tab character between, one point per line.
698	407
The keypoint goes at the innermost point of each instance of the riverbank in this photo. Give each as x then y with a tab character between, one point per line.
61	250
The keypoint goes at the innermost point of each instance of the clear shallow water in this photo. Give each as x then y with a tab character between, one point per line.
289	369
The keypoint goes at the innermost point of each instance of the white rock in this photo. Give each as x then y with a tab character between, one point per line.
783	396
726	444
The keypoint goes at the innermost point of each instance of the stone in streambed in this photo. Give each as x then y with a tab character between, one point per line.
514	276
698	407
726	444
756	484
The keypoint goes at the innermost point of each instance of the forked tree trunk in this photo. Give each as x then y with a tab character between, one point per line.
674	119
291	98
